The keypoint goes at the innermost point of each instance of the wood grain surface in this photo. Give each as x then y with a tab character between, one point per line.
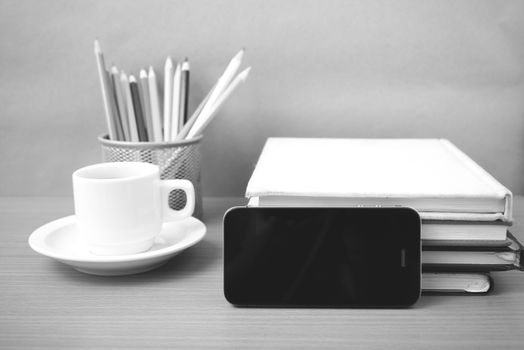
45	304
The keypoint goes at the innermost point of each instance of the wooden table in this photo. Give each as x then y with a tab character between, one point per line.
44	304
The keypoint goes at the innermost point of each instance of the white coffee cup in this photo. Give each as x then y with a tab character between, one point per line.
120	207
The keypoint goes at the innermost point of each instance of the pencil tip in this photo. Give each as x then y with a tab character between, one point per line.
143	73
239	54
132	78
169	61
97	46
151	70
114	69
245	72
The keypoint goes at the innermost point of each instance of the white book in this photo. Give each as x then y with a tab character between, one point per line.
480	231
477	283
464	230
430	175
445	258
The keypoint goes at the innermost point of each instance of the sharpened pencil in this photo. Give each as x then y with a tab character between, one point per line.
205	119
168	97
183	133
130	109
116	113
184	94
155	106
146	106
105	87
175	110
120	103
221	85
137	106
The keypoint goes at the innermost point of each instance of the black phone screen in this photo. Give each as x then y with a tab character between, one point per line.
322	257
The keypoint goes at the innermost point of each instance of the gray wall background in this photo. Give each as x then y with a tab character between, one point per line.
451	69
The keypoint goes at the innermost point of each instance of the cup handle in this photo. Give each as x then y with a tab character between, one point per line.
166	186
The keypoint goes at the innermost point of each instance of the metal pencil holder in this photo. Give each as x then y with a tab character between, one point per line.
177	160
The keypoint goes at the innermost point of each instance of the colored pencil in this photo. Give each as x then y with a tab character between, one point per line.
175	110
120	103
130	109
105	86
116	113
146	106
183	133
168	97
155	106
205	118
137	106
221	85
184	94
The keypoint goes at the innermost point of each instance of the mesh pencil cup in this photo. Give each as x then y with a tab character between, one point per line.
177	160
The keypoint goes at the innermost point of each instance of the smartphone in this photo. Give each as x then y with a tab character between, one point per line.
322	257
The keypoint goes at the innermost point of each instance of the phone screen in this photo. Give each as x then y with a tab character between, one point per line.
322	257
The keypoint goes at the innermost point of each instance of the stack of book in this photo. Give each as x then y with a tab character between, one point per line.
465	212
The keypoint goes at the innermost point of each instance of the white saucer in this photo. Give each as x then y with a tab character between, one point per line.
59	240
